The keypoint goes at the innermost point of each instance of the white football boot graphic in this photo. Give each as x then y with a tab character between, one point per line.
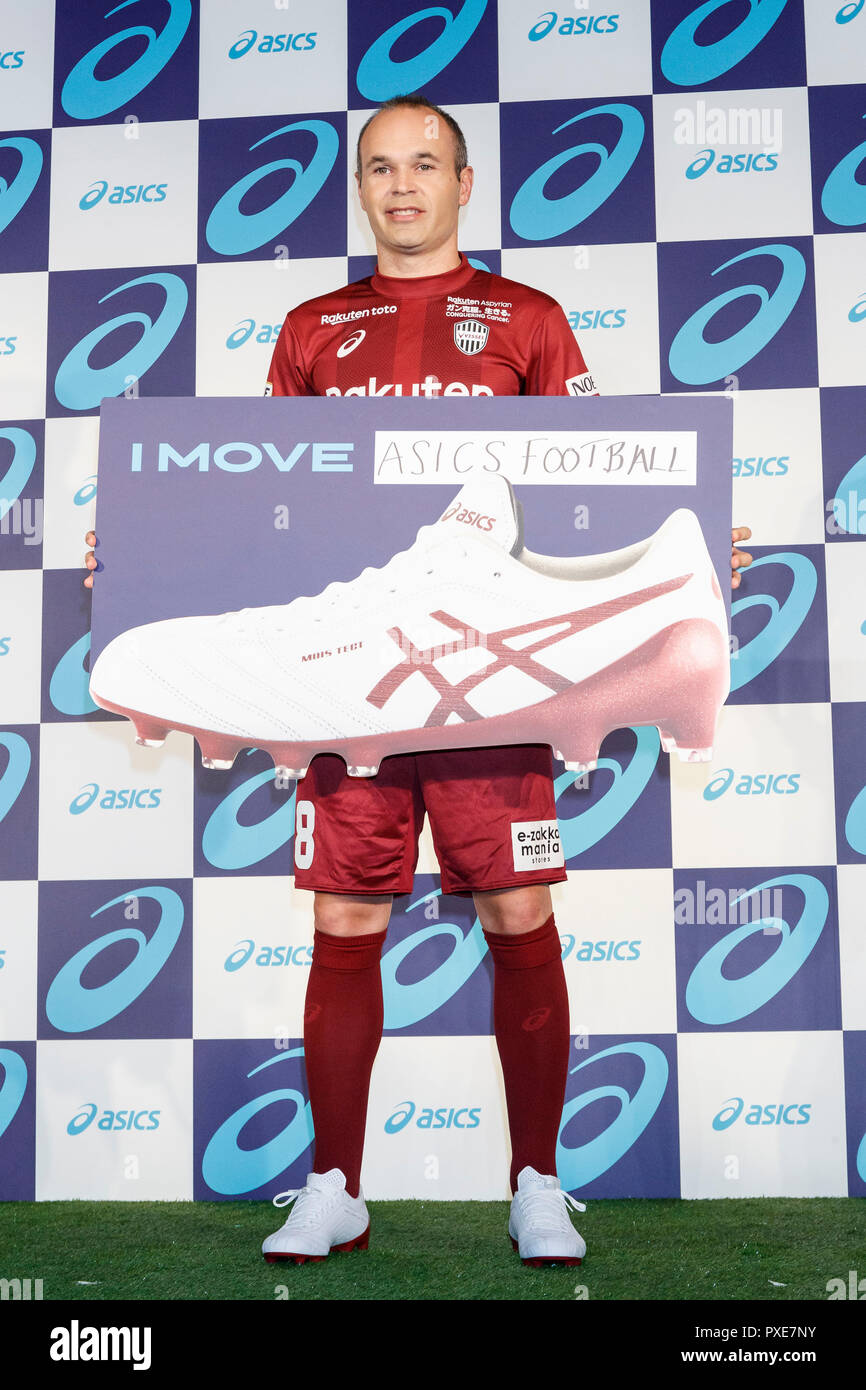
467	639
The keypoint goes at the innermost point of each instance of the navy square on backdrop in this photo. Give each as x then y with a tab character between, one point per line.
113	332
252	1124
22	448
620	815
849	774
719	46
451	58
19	784
837	147
113	63
779	620
735	972
244	822
18	1120
743	309
436	971
558	188
115	959
613	1144
66	649
25	185
269	182
854	1052
843	460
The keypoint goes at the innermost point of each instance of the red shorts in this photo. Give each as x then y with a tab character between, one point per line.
492	816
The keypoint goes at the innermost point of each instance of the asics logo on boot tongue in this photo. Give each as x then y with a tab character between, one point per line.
469	518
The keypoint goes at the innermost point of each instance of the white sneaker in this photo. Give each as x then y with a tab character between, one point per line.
540	1226
466	639
324	1218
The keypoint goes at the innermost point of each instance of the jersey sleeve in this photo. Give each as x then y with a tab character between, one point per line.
287	375
556	366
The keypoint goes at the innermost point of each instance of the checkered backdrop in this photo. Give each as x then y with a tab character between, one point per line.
687	182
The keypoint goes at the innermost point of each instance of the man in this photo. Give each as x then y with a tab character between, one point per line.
402	329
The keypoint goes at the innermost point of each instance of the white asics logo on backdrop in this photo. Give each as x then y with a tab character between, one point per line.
351	343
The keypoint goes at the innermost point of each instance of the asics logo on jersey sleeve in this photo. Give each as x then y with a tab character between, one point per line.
351	343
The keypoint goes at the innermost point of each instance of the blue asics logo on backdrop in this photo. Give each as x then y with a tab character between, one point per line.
579	833
784	622
843	197
713	997
73	1007
849	12
687	62
760	161
79	386
17	768
69	690
111	1119
271	43
245	328
857	312
584	24
694	360
406	1004
13	1088
535	217
855	823
577	1167
228	1168
17	475
267	955
14	195
446	1117
231	232
779	1113
849	503
132	193
755	784
86	492
227	844
380	77
85	96
121	799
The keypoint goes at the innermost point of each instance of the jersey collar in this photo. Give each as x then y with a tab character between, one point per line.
424	286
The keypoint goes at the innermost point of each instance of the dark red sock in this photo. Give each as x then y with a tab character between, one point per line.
343	1016
531	1019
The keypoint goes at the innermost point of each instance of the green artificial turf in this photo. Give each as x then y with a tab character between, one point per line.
777	1249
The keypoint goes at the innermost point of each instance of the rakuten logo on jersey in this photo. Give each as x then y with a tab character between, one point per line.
484	523
431	386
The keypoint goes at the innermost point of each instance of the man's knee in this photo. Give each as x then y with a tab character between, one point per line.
514	910
350	914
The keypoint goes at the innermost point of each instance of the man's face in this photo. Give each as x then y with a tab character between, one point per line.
409	188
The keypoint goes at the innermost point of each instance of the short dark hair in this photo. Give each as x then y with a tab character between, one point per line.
416	99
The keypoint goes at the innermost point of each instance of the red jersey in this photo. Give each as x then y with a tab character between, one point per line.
463	333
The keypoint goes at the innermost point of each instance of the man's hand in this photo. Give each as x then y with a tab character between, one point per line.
739	558
90	560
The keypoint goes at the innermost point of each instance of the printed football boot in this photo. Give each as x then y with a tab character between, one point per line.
466	639
540	1227
323	1218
